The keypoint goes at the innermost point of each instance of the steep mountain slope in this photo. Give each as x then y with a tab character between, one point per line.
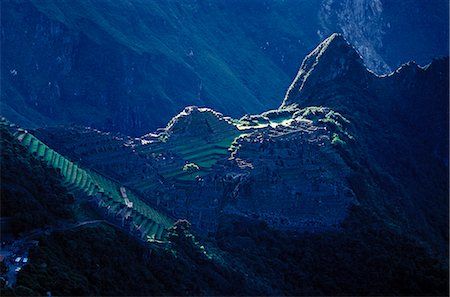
333	61
379	140
93	68
32	194
399	122
130	65
246	257
113	198
382	31
97	258
357	160
343	136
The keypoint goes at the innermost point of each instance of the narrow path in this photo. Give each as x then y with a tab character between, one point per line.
20	247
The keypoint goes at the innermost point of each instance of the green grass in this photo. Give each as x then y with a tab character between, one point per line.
191	149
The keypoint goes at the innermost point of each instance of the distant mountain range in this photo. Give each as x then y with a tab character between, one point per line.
128	66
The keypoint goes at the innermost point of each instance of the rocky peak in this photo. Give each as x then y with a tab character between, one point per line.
197	121
334	59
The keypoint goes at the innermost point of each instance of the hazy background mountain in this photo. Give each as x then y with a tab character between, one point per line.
130	65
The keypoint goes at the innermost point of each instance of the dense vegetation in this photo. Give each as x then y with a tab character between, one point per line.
104	261
244	258
361	259
32	193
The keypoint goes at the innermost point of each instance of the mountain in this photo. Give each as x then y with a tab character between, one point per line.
334	60
398	121
321	196
307	164
127	66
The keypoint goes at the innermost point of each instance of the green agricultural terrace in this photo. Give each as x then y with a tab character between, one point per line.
196	135
204	153
117	199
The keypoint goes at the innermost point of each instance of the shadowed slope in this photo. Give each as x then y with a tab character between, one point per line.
400	124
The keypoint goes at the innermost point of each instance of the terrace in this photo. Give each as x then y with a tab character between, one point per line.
78	179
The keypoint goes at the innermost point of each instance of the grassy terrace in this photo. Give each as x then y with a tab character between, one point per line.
201	151
204	153
92	183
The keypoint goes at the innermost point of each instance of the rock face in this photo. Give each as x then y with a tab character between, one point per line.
363	23
286	173
373	27
334	60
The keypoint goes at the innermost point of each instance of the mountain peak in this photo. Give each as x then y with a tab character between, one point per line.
335	39
198	121
333	59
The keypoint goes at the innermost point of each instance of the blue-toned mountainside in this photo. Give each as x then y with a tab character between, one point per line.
157	148
398	123
342	137
348	157
128	66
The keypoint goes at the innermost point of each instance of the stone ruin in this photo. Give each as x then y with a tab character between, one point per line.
286	172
